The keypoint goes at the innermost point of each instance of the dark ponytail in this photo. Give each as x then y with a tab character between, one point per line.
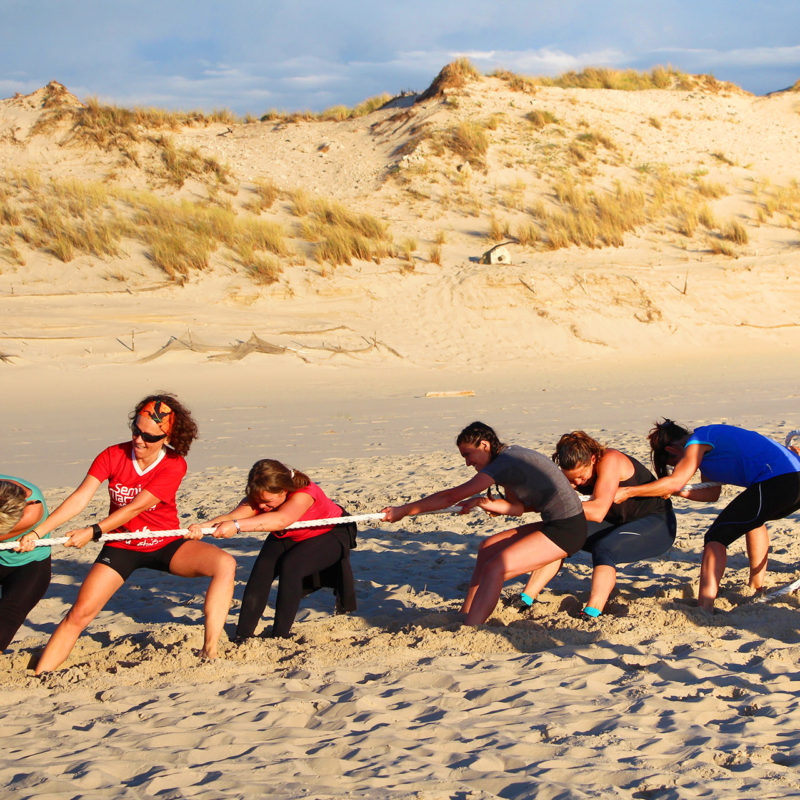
661	435
478	432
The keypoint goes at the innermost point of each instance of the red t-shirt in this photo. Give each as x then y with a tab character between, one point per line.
117	465
322	508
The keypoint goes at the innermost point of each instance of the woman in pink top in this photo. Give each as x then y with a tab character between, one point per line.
276	497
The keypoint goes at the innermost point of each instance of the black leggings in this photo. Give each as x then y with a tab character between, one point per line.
23	587
774	498
292	561
646	537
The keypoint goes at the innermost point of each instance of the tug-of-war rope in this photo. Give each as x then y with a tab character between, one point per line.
316	523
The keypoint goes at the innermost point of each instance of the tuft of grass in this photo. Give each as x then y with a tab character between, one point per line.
720	247
527	234
435	254
266	193
468	139
540	118
735	232
711	189
455	75
264	269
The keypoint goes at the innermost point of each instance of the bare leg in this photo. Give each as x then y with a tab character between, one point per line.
195	559
604	579
540	578
487	549
96	591
715	557
757	542
525	552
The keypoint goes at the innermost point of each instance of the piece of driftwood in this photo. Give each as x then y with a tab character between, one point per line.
255	344
463	393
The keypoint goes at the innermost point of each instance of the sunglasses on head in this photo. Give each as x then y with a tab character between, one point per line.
150	438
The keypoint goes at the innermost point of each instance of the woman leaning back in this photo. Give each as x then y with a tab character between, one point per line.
532	483
143	477
24	577
769	472
619	533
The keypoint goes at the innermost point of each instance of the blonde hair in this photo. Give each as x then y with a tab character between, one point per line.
13	499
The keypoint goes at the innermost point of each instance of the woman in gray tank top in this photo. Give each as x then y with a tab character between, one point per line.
531	482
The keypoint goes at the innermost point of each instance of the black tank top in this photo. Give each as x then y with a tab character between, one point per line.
634	507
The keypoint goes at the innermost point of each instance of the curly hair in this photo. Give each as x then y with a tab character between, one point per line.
576	450
184	428
477	432
13	499
661	435
268	475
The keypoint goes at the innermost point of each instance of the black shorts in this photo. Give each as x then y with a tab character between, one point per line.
126	561
569	534
774	498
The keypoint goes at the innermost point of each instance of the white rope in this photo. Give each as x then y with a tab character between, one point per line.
146	534
310	523
788	589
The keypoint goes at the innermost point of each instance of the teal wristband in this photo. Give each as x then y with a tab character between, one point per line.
590	612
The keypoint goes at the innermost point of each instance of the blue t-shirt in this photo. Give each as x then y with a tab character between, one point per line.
9	558
741	457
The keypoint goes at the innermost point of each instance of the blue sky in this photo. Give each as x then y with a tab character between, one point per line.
251	56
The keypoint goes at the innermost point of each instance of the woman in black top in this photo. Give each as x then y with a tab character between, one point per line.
619	533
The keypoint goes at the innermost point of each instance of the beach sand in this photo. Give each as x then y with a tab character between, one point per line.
653	699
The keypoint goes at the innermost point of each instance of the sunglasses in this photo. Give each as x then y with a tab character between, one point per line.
150	438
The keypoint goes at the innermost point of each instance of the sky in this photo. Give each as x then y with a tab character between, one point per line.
291	55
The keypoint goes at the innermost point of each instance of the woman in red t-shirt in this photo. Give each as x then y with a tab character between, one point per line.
143	478
276	497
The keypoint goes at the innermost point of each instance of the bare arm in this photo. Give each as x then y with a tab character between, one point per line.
612	468
281	518
708	494
144	500
439	500
671	484
30	516
511	506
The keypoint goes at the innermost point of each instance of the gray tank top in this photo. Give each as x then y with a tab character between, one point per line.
536	481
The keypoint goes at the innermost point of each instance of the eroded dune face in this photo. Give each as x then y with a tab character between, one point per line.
620	213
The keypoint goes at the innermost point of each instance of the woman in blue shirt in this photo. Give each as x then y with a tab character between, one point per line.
769	472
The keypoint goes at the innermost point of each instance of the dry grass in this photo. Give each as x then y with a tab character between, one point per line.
266	193
468	140
540	118
720	247
340	235
435	254
455	75
517	83
735	232
264	269
711	189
